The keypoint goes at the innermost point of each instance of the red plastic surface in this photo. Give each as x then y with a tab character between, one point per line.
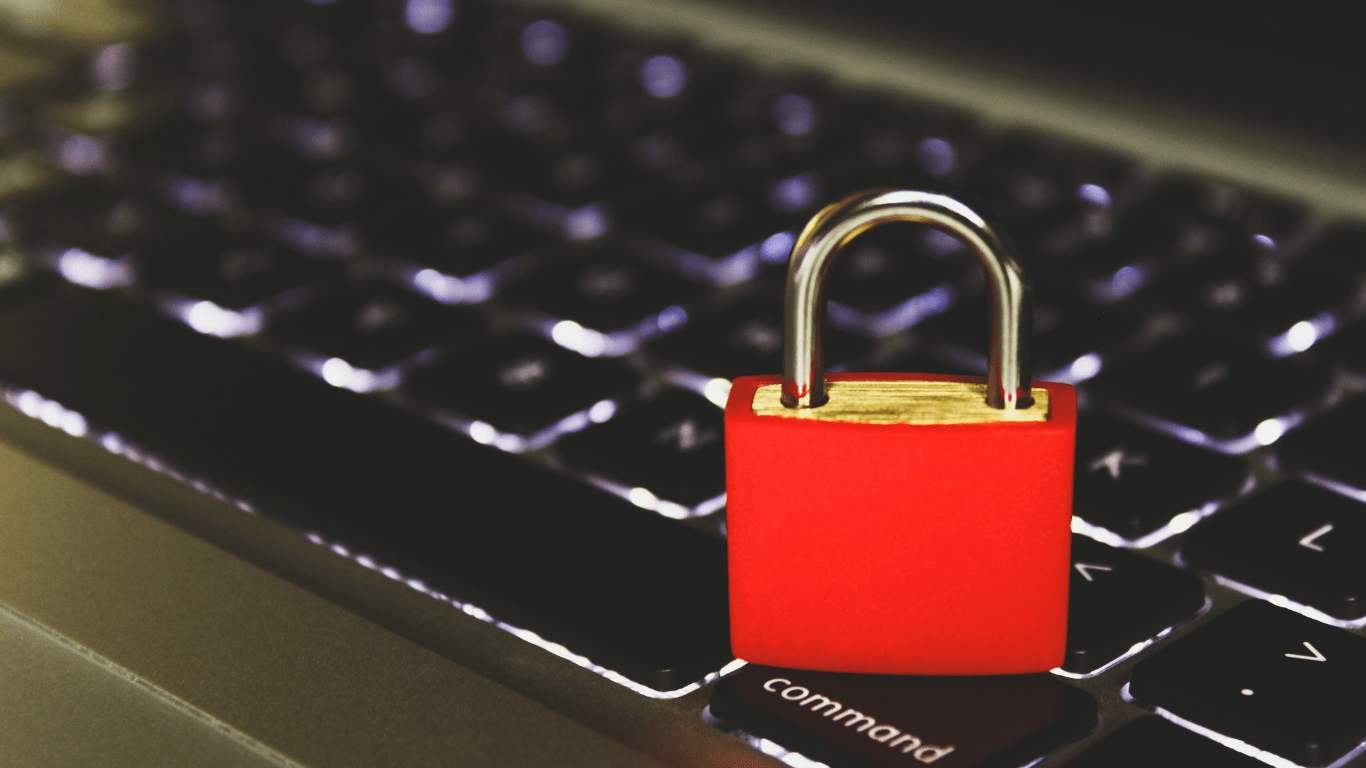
899	548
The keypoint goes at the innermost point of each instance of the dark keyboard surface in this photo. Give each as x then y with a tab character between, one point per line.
460	295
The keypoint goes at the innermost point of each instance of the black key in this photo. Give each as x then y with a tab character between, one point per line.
1111	272
321	93
626	588
1229	274
608	294
19	278
886	274
1133	481
520	52
713	229
469	253
890	720
1346	348
436	129
1267	676
1211	385
671	446
1314	297
326	193
1180	239
1031	177
300	140
1297	540
1151	742
373	329
901	138
747	340
105	224
1118	598
1063	335
520	385
572	178
1330	446
234	273
191	150
1286	224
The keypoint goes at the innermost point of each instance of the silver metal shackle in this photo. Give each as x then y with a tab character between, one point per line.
1008	371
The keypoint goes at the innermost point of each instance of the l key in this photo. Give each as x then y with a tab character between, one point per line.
1273	678
1297	540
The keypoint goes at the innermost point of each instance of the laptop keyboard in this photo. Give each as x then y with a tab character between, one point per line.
459	295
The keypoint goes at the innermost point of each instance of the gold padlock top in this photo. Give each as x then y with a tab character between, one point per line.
902	402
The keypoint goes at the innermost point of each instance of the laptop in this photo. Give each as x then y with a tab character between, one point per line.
362	363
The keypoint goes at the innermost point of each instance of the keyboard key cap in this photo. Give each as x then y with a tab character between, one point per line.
19	277
1221	391
1330	446
1286	223
192	150
1267	676
746	340
896	275
1133	481
326	193
1152	742
572	178
1070	343
234	273
1346	348
1032	177
632	591
374	329
1313	300
1119	598
671	446
106	225
713	229
454	256
608	294
521	386
888	720
1297	540
1217	273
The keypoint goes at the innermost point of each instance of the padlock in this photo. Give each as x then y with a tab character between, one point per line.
900	523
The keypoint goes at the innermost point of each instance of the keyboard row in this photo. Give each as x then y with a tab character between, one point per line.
1260	679
504	379
359	470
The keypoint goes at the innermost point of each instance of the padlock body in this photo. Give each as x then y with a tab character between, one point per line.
928	549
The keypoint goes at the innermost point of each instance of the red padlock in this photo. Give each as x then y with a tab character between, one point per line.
900	523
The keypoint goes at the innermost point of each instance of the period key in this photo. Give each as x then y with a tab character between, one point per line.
1273	678
886	721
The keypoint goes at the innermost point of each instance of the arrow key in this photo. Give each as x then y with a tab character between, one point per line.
1273	678
1120	598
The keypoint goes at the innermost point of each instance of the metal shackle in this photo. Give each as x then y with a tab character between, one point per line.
804	303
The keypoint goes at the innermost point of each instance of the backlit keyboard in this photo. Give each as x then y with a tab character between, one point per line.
457	293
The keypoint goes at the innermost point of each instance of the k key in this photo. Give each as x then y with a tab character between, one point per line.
1270	677
1297	540
1119	598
